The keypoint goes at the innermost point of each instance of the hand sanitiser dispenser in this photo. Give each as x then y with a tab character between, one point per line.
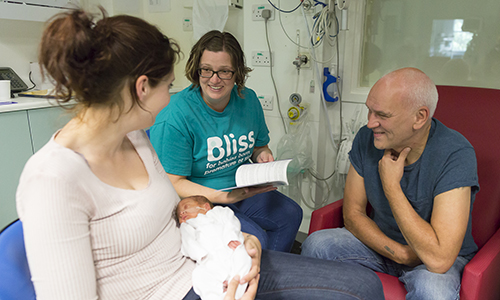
330	86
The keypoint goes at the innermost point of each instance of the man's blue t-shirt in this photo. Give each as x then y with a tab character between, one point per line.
448	162
206	146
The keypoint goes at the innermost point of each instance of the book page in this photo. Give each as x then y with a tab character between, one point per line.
271	173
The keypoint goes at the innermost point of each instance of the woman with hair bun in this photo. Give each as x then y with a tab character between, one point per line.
95	202
89	199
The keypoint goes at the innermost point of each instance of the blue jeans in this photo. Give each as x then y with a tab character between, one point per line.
340	245
272	217
285	276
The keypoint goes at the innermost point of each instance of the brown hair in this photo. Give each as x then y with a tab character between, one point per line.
94	61
217	41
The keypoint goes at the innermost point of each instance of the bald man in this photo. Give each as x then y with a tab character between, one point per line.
420	178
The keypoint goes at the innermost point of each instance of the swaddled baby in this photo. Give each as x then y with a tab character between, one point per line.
212	237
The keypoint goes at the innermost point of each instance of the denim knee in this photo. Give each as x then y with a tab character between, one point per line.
422	284
249	226
322	244
288	208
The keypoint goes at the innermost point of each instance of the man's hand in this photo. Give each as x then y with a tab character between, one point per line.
391	167
409	258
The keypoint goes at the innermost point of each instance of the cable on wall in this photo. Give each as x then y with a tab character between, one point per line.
266	14
285	11
284	31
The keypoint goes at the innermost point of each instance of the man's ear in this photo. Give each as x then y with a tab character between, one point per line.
421	117
142	86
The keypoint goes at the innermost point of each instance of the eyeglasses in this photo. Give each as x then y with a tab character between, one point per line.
222	74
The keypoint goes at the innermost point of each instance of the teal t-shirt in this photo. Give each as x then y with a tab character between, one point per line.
206	146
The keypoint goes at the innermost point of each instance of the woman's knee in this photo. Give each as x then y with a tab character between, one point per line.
250	227
289	208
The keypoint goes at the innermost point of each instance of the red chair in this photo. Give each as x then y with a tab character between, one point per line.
474	112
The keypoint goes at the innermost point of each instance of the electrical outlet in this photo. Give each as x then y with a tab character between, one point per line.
261	59
257	12
187	25
266	101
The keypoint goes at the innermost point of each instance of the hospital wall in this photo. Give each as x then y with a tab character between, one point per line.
19	46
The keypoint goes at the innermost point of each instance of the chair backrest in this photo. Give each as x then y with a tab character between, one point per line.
475	113
15	276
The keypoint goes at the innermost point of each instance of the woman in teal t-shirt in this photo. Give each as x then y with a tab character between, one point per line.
214	126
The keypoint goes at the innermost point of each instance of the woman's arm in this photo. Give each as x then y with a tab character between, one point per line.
249	294
186	188
254	249
57	236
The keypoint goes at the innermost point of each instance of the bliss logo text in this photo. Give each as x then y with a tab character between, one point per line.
219	148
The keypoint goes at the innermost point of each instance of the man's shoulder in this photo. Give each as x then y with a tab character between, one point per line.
448	137
364	137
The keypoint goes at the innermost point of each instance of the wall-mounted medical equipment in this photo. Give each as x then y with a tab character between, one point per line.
330	89
297	111
301	61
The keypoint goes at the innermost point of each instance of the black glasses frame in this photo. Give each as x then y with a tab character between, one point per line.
216	72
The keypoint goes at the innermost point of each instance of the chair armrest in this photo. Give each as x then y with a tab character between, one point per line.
329	216
480	276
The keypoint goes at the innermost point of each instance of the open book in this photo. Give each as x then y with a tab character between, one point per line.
262	174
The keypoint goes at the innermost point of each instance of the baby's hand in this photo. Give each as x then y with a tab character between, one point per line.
233	244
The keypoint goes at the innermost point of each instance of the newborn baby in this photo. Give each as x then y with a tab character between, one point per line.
212	237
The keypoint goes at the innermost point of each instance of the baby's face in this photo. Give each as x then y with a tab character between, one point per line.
188	209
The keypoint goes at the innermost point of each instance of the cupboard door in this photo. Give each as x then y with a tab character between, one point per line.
15	150
45	122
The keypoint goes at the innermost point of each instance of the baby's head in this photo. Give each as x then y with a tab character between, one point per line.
190	207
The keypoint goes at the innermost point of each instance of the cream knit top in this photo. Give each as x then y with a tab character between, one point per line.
89	240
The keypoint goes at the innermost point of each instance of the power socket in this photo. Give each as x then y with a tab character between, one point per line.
257	12
266	101
187	24
261	58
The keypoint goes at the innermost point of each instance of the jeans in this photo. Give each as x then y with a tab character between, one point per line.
340	245
272	217
285	276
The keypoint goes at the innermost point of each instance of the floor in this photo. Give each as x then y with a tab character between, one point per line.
297	247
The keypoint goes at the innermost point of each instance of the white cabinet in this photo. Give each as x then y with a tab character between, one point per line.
22	133
15	149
